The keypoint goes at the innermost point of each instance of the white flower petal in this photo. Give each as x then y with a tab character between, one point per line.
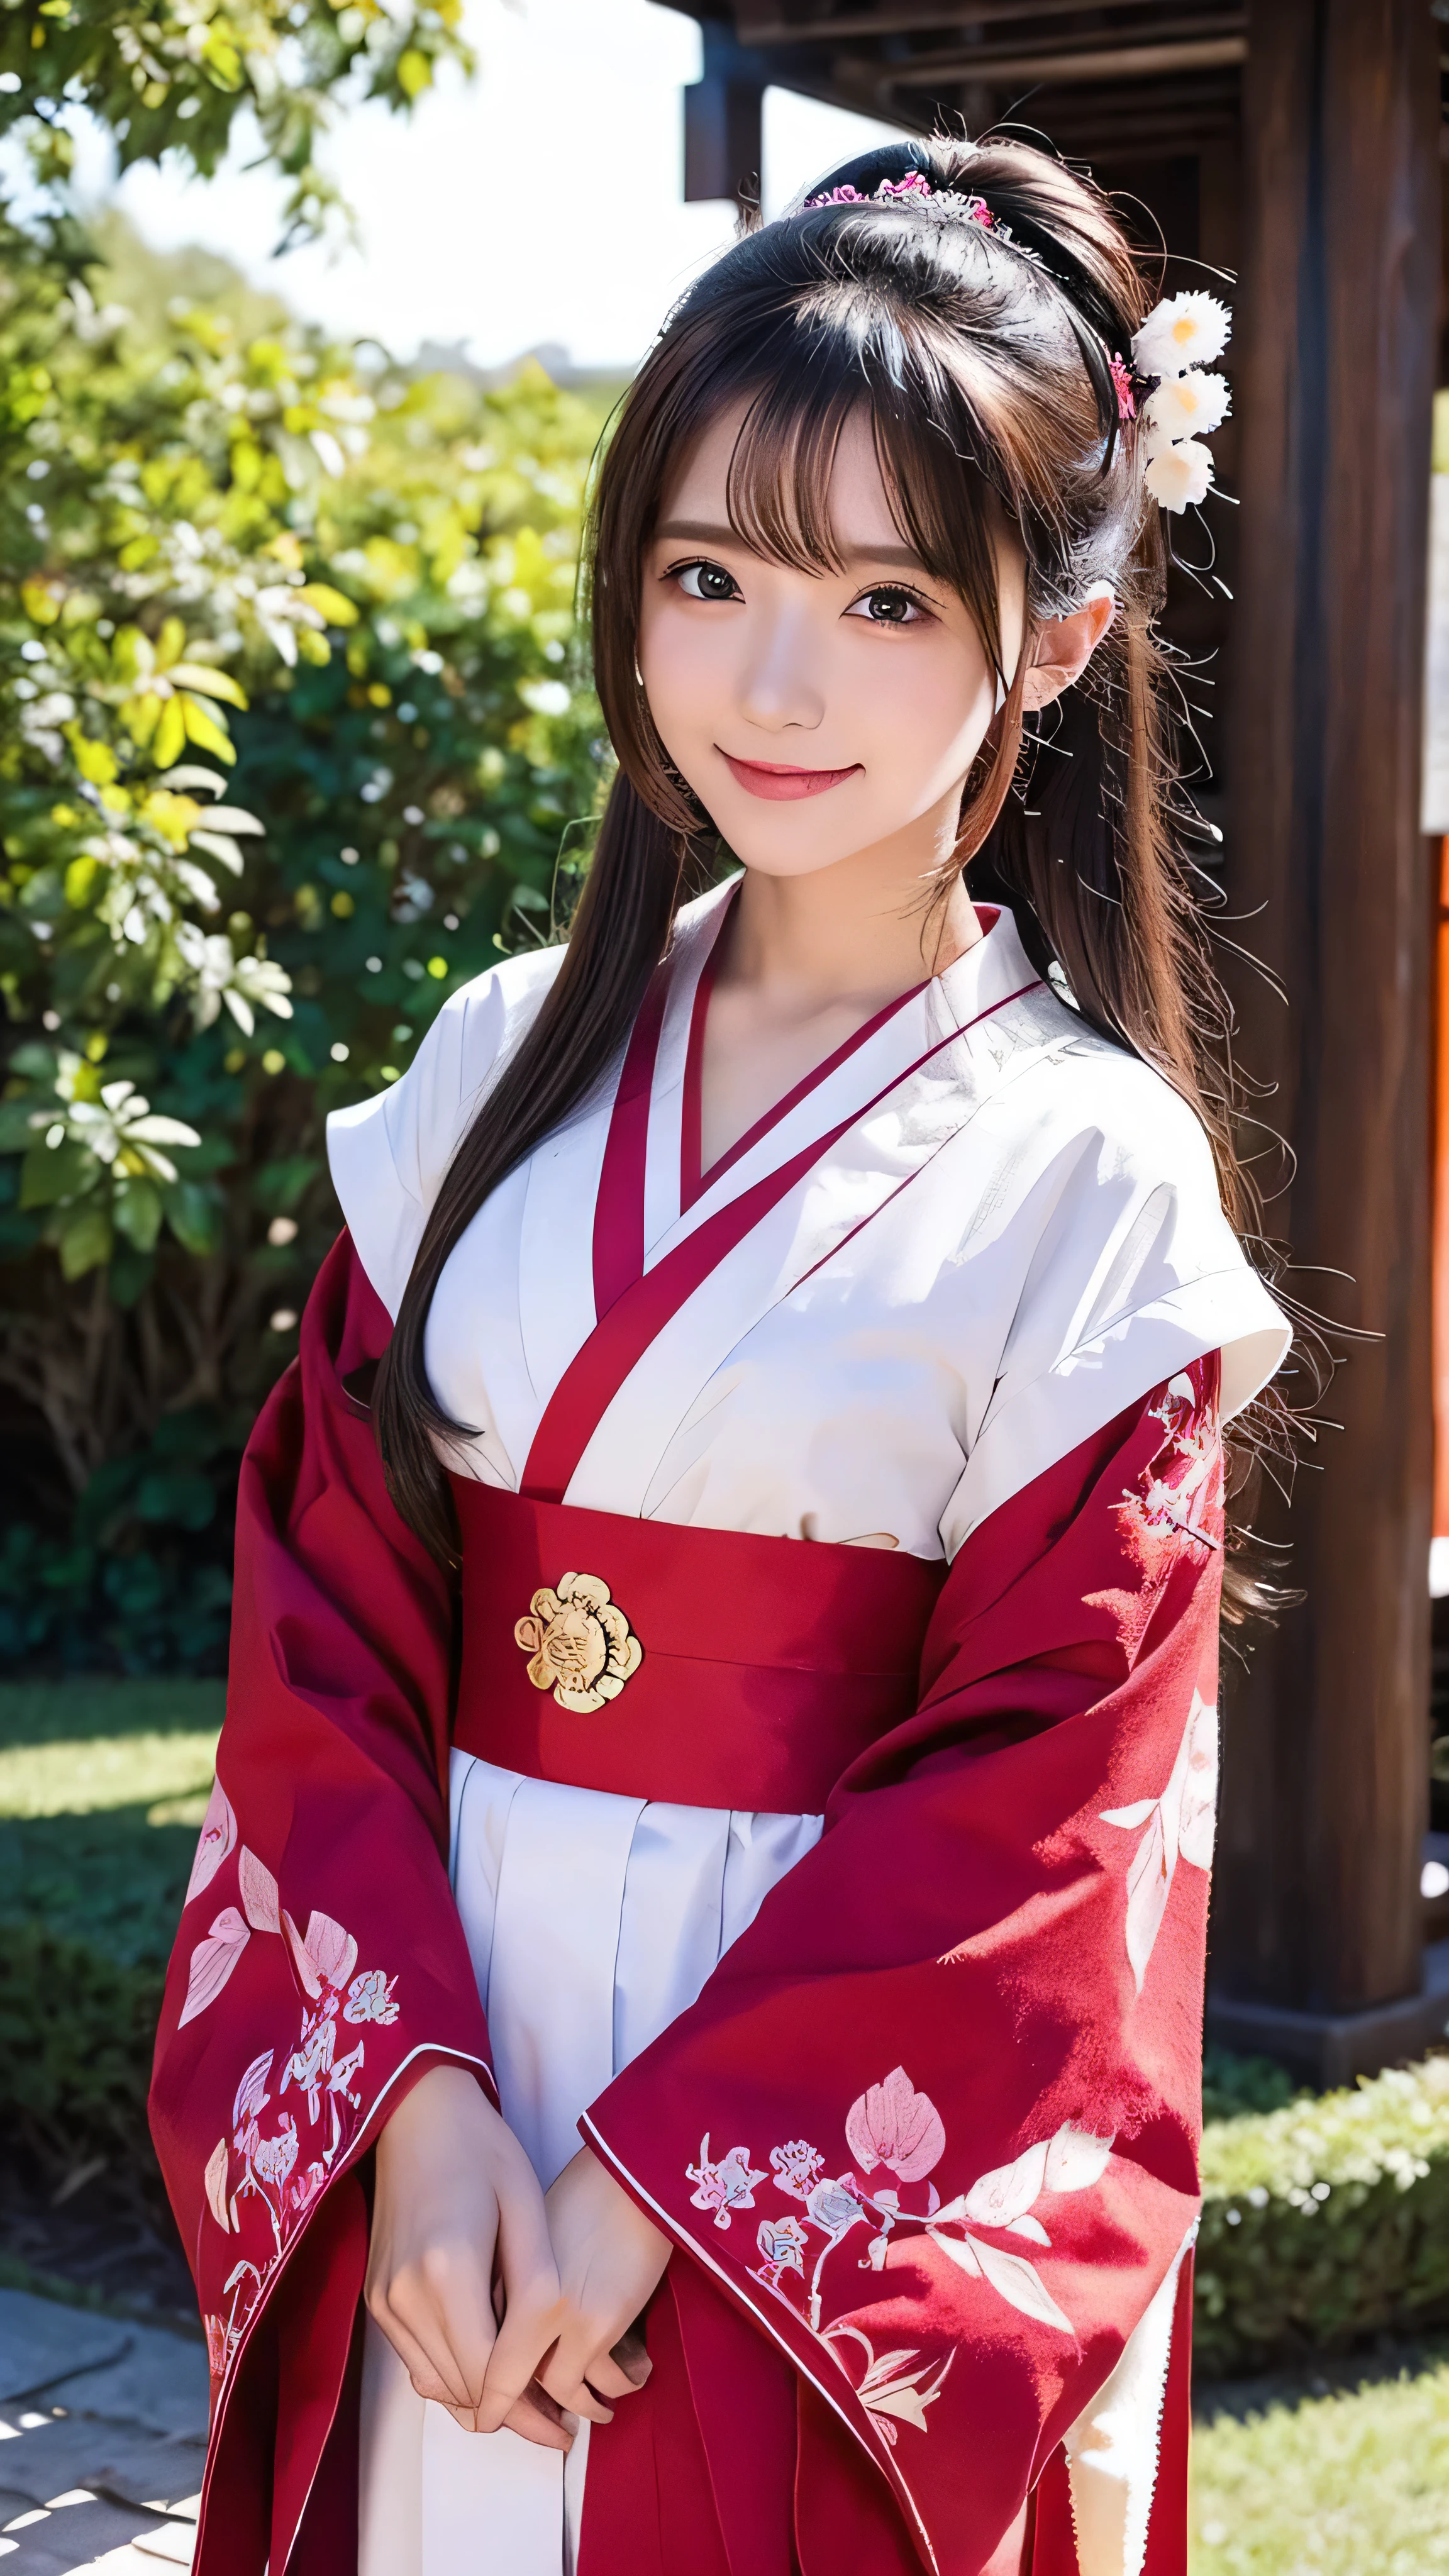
304	1965
161	1131
1200	1790
212	1962
333	1951
962	2250
252	2096
1190	406
214	2183
1180	475
1076	2158
1021	2284
1008	2192
1136	1814
259	1893
218	1837
1149	1878
1183	331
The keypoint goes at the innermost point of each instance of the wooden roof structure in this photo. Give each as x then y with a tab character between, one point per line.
1108	83
1296	144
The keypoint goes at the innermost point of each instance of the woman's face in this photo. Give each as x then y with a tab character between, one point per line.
815	715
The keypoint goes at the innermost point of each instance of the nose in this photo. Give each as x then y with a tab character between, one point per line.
779	691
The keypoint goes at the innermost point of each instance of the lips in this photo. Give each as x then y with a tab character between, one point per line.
780	782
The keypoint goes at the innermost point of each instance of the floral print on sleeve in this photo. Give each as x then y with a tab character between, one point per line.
891	2129
260	2181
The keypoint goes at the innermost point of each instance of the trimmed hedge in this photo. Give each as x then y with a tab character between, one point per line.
1325	2222
76	2036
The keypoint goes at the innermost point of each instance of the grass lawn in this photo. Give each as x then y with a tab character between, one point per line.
1338	2485
102	1787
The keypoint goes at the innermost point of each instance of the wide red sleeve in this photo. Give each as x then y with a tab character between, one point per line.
320	1966
934	2119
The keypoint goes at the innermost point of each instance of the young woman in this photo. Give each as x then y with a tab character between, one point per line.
683	2052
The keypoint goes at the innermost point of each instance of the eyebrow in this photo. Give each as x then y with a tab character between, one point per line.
704	532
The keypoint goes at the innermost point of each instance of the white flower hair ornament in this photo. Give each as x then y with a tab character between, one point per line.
1176	345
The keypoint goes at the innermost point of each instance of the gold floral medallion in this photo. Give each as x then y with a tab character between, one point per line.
578	1643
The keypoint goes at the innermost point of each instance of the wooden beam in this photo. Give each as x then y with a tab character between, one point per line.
1317	1904
1197	53
766	22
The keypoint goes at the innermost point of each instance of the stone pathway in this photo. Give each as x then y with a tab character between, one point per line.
102	2442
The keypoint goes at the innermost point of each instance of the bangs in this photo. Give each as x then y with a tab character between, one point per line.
824	369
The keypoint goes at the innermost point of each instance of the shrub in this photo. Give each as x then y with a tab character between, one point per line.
1325	2222
76	2036
355	597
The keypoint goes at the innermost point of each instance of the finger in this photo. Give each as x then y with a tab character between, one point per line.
530	2327
444	2305
440	2378
608	2381
561	2374
538	2419
631	2352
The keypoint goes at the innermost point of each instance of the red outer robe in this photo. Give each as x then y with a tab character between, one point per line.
990	1966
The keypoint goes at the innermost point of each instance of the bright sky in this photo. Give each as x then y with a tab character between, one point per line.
541	203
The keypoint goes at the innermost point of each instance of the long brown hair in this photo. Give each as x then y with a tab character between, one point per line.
983	354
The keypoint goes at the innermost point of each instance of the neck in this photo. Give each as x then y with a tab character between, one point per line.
856	933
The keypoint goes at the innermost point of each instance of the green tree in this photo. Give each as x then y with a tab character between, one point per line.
173	76
294	727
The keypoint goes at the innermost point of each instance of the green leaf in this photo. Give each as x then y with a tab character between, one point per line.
187	1500
85	1243
193	1214
138	1212
52	1173
169	738
212	684
16	1133
329	603
131	1275
204	730
278	1187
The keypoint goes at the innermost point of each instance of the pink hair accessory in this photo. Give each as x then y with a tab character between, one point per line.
1122	379
944	201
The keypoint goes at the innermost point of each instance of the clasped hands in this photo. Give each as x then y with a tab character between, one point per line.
508	2305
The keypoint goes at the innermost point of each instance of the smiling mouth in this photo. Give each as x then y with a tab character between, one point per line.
776	779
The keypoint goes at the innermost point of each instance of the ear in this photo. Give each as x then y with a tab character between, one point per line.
1061	650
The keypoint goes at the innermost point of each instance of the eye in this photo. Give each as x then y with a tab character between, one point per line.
706	581
889	606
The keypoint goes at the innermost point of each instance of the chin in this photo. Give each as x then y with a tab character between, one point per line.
781	840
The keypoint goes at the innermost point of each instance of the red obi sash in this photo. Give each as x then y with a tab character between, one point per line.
702	1667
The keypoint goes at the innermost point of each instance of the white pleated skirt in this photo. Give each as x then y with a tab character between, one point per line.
591	1921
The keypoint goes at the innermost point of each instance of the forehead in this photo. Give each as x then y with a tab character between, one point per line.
856	504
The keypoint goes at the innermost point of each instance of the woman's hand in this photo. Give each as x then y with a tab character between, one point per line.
458	2210
610	2260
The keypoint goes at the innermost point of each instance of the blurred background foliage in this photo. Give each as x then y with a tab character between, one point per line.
295	732
174	75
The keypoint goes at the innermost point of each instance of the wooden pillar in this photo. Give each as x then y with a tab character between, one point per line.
1440	1200
1317	1906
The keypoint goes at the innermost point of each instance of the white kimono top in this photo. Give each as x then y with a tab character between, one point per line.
1015	1234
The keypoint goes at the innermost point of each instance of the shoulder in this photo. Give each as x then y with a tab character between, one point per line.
476	1029
1070	1102
1097	1227
388	1155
